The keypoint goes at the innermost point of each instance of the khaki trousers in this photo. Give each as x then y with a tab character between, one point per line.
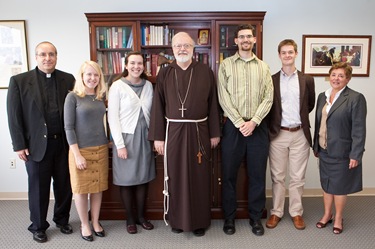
289	152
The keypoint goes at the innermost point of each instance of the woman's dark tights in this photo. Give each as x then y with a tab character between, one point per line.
128	195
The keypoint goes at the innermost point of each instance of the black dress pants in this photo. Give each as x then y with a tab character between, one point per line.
54	166
234	147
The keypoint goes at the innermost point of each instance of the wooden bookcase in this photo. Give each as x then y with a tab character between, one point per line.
112	35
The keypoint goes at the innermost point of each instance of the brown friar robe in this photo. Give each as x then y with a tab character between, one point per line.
189	181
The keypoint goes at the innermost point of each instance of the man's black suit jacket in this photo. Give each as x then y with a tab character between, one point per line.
27	123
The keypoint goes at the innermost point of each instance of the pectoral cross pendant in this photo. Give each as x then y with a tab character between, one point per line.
182	109
199	155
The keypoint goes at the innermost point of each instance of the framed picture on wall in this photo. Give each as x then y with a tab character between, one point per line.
13	50
203	36
320	52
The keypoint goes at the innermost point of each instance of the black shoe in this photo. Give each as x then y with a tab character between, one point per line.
40	236
229	227
101	233
87	238
66	229
199	232
176	230
257	227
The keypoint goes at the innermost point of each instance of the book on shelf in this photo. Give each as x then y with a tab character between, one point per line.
148	64
111	62
205	58
114	37
130	41
154	64
119	37
156	35
124	37
201	57
166	40
227	38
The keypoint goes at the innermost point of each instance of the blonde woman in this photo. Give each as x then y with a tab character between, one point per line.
84	111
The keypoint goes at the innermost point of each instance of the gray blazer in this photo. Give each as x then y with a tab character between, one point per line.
346	125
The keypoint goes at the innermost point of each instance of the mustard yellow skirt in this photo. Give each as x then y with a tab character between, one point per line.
95	178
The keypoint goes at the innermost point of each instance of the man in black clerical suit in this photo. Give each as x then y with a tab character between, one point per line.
35	104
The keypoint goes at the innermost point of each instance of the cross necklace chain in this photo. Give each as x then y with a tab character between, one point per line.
182	102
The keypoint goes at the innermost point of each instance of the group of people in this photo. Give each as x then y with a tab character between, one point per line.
58	127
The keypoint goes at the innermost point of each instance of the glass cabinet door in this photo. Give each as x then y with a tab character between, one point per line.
112	43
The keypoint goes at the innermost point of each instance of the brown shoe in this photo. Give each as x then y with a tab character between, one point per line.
298	222
272	221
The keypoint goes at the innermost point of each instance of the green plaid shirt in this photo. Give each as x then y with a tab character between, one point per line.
245	89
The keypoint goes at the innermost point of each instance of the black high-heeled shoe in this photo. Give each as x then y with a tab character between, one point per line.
323	225
337	230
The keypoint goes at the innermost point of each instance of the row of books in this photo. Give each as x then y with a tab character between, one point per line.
156	61
114	37
114	62
156	35
111	62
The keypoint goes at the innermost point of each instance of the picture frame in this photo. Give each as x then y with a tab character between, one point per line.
319	52
203	36
13	50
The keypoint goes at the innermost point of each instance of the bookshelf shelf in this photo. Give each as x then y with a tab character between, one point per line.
109	48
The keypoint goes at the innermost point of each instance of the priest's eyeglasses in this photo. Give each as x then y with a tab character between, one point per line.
44	55
185	46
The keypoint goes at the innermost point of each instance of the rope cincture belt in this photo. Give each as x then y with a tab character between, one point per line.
166	178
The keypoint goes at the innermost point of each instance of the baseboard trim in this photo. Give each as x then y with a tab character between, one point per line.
307	193
17	196
319	192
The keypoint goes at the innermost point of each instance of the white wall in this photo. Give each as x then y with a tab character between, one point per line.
64	24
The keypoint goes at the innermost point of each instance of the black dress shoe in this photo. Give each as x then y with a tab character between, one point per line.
87	238
257	227
229	227
176	230
40	236
66	229
199	232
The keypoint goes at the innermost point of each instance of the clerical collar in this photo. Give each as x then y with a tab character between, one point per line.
45	75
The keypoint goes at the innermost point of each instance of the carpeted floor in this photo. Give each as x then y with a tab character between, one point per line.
359	224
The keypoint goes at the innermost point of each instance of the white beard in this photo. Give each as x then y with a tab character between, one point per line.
183	59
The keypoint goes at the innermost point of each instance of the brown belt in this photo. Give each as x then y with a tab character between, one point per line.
291	129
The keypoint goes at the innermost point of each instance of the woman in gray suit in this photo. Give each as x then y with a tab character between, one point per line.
339	141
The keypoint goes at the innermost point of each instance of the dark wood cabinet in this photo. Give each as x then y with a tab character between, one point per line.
112	35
